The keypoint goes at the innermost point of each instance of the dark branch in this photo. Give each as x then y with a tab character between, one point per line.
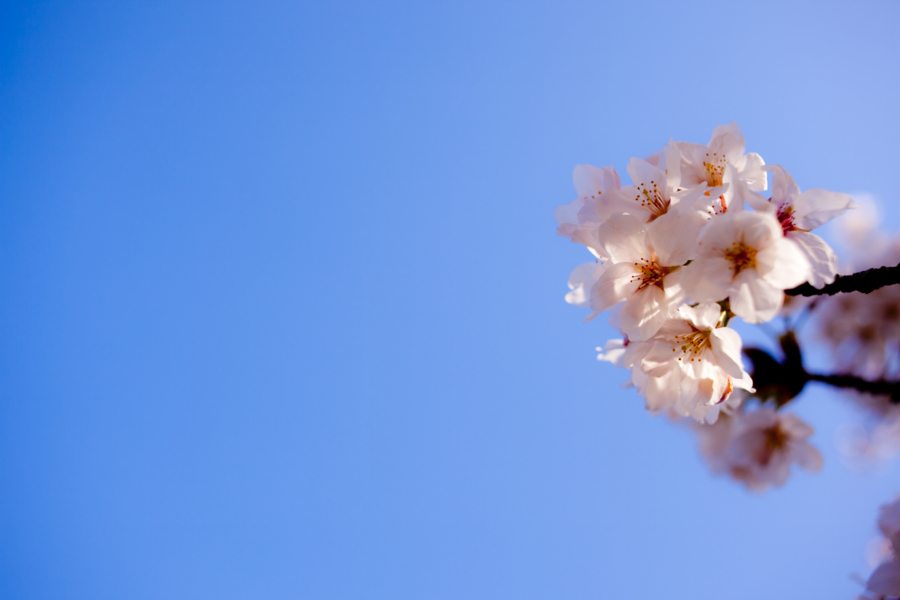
877	388
781	381
864	281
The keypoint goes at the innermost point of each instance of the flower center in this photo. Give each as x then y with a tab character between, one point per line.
650	272
774	441
651	198
715	169
692	344
786	218
741	257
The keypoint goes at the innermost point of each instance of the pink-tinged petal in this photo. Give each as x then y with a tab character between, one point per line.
624	239
704	317
760	203
674	237
791	267
707	279
728	141
591	181
616	284
568	213
726	347
783	186
756	229
752	173
612	352
644	313
816	207
670	159
807	457
821	257
658	359
612	202
673	287
885	580
643	172
753	299
719	233
796	426
581	280
659	392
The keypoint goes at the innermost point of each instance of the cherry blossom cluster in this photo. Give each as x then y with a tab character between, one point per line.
677	254
884	582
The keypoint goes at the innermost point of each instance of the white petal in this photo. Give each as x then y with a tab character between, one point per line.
821	257
674	237
760	203
728	140
568	213
752	174
670	159
581	280
791	267
591	181
753	299
624	239
783	186
726	347
703	316
707	279
643	172
644	313
616	284
815	207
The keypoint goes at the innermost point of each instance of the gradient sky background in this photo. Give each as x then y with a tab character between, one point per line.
281	298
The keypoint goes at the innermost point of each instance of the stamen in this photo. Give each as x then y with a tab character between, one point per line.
652	199
650	272
693	344
741	257
786	218
715	169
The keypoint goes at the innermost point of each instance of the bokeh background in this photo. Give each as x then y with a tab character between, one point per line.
281	298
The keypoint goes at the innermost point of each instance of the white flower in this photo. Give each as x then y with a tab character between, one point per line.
722	161
643	270
692	365
745	257
798	214
763	446
579	220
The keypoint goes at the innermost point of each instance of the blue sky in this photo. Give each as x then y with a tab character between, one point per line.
281	299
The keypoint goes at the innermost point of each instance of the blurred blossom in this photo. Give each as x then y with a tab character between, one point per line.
884	582
863	330
758	448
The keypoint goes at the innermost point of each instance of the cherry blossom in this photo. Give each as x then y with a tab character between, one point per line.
799	213
744	256
644	270
721	161
693	364
764	444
